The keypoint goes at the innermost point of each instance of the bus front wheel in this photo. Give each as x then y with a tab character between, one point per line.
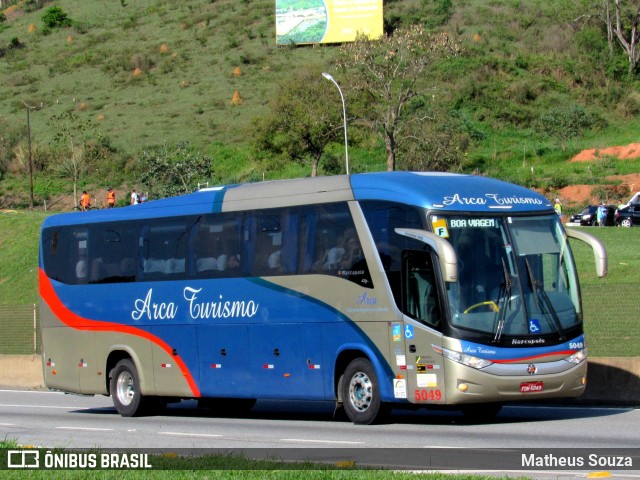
361	393
125	389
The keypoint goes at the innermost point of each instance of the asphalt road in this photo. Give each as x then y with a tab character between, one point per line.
50	419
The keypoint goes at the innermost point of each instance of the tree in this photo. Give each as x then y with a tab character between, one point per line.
386	71
74	167
438	142
173	169
305	116
69	142
624	24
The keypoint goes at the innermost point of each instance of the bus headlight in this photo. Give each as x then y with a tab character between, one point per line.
579	356
468	360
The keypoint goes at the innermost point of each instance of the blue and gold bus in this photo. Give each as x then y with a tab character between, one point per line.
370	290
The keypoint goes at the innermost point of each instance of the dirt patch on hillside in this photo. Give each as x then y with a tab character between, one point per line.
583	194
622	153
13	11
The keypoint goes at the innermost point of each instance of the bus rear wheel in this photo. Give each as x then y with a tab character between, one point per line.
125	389
361	393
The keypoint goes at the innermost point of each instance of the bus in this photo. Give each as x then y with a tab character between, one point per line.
373	291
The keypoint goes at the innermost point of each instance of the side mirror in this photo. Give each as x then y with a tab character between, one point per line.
447	258
599	252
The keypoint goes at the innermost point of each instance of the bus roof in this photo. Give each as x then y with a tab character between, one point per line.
448	192
440	191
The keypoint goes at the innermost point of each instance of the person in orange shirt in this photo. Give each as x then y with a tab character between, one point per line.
111	198
85	201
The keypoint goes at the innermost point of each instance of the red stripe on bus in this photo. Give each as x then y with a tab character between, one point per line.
66	316
527	359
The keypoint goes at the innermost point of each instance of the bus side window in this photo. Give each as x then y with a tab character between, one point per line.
164	249
216	249
69	264
330	244
275	245
112	253
267	244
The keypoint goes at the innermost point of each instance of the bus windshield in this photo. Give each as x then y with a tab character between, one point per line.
516	276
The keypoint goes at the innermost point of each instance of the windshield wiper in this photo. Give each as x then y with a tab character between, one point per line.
504	297
543	302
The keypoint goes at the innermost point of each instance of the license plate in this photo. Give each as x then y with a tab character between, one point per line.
527	387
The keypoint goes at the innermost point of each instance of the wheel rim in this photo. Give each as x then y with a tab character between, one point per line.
125	388
360	391
626	222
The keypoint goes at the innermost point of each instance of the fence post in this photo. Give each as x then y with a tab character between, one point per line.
35	330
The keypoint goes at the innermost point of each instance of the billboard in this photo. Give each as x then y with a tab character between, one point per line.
326	21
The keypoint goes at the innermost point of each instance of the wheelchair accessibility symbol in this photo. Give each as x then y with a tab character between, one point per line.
534	326
408	331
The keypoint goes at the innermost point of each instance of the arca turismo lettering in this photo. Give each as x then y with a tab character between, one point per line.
492	198
148	309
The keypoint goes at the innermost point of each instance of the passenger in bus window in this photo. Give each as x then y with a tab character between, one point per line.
334	257
81	271
352	252
274	260
233	266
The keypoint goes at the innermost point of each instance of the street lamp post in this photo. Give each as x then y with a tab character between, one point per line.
344	116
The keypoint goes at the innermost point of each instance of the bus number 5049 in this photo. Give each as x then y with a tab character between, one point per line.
428	395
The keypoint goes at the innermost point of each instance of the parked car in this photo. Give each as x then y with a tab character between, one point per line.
628	216
588	216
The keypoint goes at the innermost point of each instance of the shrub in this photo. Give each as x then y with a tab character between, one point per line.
629	107
54	17
565	123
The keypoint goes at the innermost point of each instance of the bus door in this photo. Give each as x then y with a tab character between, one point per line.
421	328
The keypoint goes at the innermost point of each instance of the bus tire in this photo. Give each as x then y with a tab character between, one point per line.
125	389
361	393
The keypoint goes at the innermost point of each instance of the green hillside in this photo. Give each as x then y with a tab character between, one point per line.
126	75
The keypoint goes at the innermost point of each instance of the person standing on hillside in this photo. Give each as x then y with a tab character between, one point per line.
558	207
85	201
602	215
135	199
111	198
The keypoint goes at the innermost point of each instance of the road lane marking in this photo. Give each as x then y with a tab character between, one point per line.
40	406
304	440
184	434
38	392
89	429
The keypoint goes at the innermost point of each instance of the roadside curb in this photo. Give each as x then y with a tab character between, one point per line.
21	371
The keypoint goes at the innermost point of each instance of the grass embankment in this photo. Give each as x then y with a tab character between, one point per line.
611	303
231	467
